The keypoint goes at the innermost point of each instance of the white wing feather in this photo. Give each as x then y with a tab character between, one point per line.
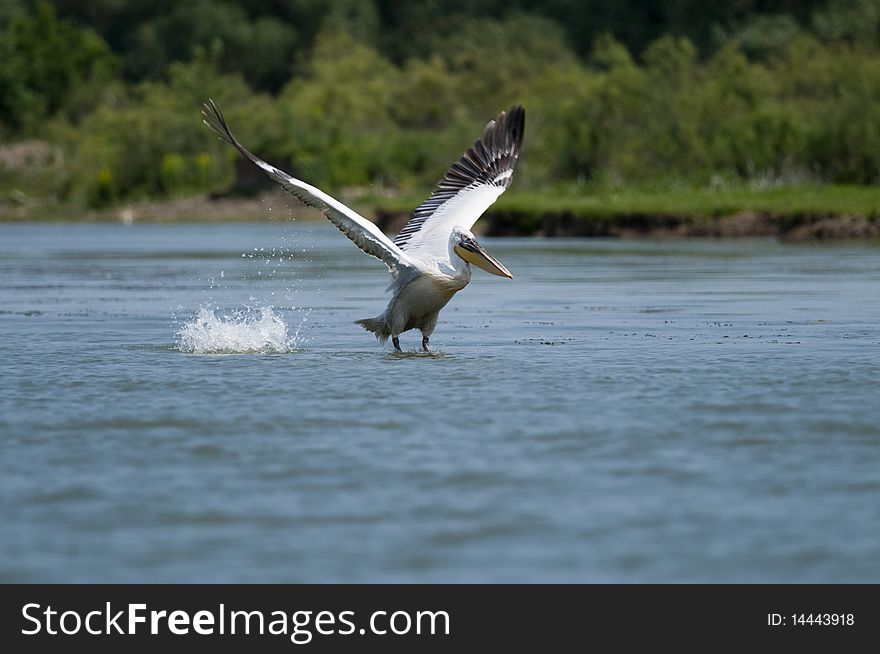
362	232
468	188
431	241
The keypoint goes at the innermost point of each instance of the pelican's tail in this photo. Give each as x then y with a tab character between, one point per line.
376	325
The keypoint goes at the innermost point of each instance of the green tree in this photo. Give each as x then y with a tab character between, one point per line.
497	61
153	144
260	49
340	113
46	62
854	21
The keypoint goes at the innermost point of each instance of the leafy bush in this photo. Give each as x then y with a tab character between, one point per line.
783	97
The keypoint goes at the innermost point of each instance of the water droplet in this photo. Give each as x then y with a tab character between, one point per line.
247	331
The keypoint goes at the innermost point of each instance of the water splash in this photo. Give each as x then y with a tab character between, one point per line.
247	331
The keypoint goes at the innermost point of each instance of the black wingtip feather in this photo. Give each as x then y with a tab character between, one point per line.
506	131
214	119
492	155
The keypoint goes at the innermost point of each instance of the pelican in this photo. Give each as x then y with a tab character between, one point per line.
430	259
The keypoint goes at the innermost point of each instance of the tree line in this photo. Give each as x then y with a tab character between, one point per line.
383	94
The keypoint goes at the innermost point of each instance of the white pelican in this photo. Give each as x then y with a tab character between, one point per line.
430	258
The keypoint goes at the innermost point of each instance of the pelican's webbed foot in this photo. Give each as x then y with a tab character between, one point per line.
396	342
425	344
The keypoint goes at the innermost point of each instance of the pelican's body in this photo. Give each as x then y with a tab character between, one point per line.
430	260
417	301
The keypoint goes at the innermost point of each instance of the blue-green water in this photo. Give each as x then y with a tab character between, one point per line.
620	411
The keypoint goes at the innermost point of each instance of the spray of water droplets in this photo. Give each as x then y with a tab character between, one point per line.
245	331
259	327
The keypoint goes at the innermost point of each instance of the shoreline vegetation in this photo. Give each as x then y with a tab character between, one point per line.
812	213
680	118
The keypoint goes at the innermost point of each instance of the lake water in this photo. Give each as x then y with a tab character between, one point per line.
621	411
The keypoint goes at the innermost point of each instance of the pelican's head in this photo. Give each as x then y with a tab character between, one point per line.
465	245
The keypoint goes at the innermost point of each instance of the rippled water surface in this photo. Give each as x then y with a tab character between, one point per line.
195	403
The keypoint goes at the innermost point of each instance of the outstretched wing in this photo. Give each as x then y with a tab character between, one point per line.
467	189
365	234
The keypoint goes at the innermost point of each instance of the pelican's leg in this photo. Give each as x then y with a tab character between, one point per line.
425	344
396	342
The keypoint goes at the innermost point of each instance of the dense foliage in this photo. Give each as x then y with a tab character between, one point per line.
385	93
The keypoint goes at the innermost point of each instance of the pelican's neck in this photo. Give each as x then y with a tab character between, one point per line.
461	269
459	274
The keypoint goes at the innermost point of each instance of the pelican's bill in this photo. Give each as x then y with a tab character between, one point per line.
474	253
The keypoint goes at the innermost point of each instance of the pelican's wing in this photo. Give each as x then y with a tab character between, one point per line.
365	234
467	189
